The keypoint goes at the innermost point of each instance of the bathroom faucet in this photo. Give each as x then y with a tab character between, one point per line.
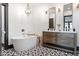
23	32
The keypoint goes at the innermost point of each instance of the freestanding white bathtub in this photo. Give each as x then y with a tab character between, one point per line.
24	43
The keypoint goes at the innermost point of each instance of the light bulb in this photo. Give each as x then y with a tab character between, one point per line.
27	11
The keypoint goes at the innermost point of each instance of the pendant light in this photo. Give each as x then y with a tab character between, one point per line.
27	11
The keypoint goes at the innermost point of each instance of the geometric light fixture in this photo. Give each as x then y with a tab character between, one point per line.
27	11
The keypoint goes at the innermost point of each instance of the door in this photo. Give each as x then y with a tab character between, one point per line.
5	25
0	29
4	31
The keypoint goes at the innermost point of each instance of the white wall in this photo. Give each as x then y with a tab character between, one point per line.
76	21
32	23
36	22
17	20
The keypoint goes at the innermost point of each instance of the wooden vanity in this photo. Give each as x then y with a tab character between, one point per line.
62	38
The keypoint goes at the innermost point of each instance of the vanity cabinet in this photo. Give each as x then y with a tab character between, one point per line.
49	37
66	39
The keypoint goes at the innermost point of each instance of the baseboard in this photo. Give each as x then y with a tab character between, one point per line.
7	47
10	46
59	46
70	48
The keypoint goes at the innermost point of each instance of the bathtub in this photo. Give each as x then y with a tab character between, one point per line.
24	43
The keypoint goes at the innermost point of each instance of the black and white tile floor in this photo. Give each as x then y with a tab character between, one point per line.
38	51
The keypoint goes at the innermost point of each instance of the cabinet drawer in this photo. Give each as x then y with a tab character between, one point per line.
52	40
62	35
65	42
49	40
49	34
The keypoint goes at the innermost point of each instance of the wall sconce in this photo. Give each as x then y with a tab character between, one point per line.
45	12
59	10
27	11
77	6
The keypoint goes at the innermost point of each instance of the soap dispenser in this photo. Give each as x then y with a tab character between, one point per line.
73	29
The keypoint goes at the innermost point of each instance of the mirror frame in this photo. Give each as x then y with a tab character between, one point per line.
68	15
52	11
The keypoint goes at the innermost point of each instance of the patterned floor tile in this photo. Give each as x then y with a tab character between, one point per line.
37	51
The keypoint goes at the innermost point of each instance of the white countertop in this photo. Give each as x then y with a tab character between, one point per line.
60	31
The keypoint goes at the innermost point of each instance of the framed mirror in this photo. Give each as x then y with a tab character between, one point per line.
52	18
68	17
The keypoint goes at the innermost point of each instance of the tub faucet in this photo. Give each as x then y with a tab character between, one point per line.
23	32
